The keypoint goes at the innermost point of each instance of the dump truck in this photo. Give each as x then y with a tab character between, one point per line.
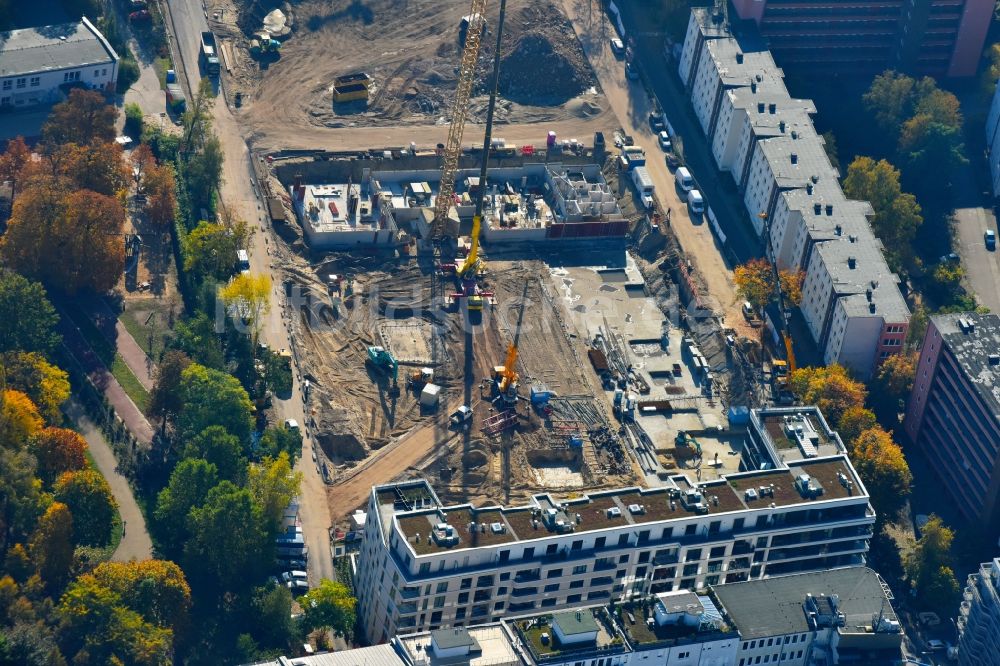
209	56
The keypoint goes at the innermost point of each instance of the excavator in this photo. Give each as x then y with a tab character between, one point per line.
382	360
467	274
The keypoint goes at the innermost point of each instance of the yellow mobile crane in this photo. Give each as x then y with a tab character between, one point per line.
442	227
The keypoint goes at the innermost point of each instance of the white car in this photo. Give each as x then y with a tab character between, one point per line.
617	47
291	424
664	140
294	575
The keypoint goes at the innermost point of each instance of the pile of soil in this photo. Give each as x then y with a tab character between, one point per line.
538	72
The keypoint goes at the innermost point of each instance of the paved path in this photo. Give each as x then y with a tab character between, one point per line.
134	356
136	543
105	382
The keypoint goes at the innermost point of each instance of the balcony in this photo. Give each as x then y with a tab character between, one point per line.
604	564
603	580
672	558
524	591
527	576
407	608
409	592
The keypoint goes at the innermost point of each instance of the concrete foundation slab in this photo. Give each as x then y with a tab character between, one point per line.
407	340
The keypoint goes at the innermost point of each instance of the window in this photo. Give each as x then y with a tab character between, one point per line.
484	581
691	569
548	602
498	606
463	598
718	551
553	587
504	556
529	553
640	572
622	539
36	81
576	584
667	533
8	84
21	82
644	557
501	591
683	655
622	559
753	644
690	530
436	617
770	642
425	568
505	576
104	71
579	569
574	598
600	541
460	614
466	584
438	602
693	555
577	545
97	73
554	573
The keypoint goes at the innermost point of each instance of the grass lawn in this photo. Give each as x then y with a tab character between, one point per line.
149	325
135	390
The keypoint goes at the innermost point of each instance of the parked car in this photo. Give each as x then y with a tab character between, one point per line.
664	140
631	73
617	47
656	122
289	576
696	203
683	179
291	424
141	16
934	645
298	586
295	562
991	239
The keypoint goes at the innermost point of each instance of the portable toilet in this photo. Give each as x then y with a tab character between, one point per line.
550	140
540	395
429	396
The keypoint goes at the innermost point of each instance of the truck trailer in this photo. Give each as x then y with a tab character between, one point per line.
209	53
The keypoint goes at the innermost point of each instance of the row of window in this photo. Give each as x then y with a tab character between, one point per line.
775	658
35	81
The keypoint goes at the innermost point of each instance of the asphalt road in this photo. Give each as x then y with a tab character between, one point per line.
982	266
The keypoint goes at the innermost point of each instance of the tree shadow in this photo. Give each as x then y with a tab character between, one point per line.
356	11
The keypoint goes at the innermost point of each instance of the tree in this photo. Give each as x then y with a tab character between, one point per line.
829	388
854	421
83	118
791	285
273	484
882	466
83	227
209	250
897	214
200	340
928	566
89	498
211	397
276	440
330	605
19	419
227	547
21	499
890	99
52	545
58	450
946	283
45	384
830	146
12	162
161	202
27	318
156	589
221	449
930	149
918	327
272	612
98	167
940	106
142	160
204	172
188	487
896	374
165	399
755	282
248	296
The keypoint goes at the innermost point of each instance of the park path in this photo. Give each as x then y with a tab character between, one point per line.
136	543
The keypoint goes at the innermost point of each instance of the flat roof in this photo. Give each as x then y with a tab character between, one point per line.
870	273
53	47
575	622
452	638
495	648
774	606
465	526
376	655
972	347
533	628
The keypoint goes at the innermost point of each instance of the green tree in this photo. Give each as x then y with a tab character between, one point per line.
204	172
272	612
210	251
27	318
198	338
893	98
895	376
227	549
897	214
210	397
883	468
188	487
330	605
930	150
89	498
277	440
928	566
21	499
52	545
830	146
273	484
82	119
221	449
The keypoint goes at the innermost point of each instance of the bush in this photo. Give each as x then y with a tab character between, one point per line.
133	120
128	73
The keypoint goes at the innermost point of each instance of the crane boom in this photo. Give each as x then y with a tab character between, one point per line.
459	112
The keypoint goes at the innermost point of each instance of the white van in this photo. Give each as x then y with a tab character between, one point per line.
683	179
243	259
696	203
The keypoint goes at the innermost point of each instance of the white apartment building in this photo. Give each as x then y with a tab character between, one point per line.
424	565
767	142
979	617
36	62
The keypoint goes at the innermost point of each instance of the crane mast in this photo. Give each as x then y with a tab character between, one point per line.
440	227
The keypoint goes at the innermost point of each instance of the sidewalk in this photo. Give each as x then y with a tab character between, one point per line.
102	378
136	543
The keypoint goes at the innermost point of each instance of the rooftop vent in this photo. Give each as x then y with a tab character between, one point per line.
739	58
871	307
853	238
809	188
753	87
994	359
807	486
817	208
781	126
852	262
839	230
772	108
614	512
795	135
966	325
760	107
794	157
868	293
829	209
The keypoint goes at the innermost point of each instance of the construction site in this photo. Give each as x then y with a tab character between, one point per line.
503	320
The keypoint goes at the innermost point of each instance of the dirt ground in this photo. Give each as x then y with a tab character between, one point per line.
411	51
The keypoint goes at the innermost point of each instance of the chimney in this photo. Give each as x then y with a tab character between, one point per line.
829	209
817	208
772	109
853	238
739	58
795	157
852	263
781	127
760	107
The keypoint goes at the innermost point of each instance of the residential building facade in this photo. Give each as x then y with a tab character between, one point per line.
953	413
766	140
979	617
935	37
799	506
993	142
37	64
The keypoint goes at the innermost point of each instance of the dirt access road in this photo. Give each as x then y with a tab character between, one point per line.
631	106
239	193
